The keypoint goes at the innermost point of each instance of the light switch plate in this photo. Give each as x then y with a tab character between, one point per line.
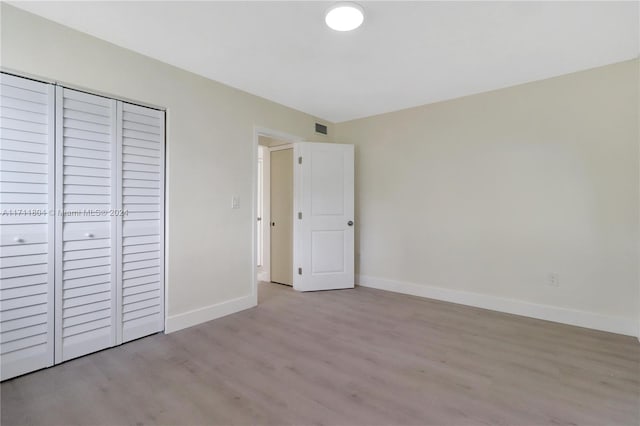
235	202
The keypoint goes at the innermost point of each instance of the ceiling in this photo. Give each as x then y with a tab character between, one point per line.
405	54
270	142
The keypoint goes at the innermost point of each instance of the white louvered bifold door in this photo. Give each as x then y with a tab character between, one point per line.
141	228
86	243
26	225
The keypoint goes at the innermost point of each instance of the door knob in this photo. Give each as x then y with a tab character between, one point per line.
350	223
88	235
273	224
18	240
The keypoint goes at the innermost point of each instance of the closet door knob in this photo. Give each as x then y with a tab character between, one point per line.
350	223
18	240
88	235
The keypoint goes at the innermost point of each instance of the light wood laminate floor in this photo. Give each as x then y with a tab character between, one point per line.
348	357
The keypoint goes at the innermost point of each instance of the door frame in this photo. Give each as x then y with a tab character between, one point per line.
275	134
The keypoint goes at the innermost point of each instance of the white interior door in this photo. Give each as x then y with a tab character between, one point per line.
86	233
141	227
324	221
281	217
26	225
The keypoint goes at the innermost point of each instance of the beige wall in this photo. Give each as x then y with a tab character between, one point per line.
488	194
209	152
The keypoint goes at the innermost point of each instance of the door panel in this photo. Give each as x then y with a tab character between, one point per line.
324	236
282	216
27	154
327	252
141	229
327	176
86	192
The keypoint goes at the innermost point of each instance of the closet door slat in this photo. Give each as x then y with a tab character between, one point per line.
86	192
27	155
141	229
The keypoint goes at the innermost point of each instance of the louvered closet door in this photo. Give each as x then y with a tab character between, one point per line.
141	261
86	191
26	228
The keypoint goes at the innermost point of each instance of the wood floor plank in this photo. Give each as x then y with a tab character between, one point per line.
348	357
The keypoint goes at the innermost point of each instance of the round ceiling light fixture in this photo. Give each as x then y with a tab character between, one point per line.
344	16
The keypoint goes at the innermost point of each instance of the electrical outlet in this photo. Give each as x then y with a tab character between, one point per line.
553	279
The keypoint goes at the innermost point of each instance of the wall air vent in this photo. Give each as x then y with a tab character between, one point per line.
321	128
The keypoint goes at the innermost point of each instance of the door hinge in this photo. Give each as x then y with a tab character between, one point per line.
299	271
300	215
299	160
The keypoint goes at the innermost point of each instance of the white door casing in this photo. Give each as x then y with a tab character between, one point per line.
324	216
27	160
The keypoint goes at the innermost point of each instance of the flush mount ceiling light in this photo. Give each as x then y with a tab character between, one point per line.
344	16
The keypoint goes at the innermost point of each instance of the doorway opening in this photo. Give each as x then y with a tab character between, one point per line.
304	213
274	207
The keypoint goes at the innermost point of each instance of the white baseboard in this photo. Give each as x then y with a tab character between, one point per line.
208	313
578	318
